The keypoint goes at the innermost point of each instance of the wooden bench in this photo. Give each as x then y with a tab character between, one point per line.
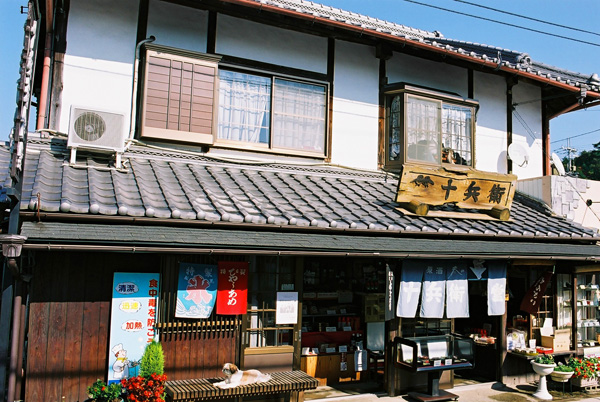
290	384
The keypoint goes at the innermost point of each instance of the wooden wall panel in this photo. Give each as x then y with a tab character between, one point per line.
69	320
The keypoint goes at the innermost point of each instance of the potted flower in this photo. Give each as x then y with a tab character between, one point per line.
99	391
585	371
543	365
562	373
149	386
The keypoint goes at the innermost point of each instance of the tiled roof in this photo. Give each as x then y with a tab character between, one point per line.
509	58
177	186
141	238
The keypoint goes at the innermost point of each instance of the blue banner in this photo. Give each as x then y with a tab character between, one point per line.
434	290
457	290
496	287
196	290
133	318
410	289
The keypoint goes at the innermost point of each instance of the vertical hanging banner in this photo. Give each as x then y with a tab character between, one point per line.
196	290
434	291
496	288
410	289
457	290
232	293
390	293
533	297
133	317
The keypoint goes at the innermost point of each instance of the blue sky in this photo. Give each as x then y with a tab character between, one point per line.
563	53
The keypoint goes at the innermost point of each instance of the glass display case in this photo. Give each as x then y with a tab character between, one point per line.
433	355
442	352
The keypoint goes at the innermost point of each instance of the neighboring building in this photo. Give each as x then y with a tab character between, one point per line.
323	155
576	199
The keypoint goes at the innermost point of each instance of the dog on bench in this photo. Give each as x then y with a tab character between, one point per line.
235	377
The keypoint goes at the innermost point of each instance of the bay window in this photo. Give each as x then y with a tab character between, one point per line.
428	127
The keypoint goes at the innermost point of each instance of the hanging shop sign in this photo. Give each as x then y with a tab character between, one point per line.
422	186
196	290
533	297
232	288
389	293
286	308
133	319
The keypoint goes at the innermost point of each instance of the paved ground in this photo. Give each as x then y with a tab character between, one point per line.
485	392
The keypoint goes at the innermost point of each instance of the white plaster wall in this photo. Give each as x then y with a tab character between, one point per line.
98	66
490	132
355	106
426	73
178	26
253	41
528	132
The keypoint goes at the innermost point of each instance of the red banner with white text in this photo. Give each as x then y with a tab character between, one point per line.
232	288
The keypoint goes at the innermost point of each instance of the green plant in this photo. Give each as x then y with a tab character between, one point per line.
104	393
564	368
153	360
587	367
544	359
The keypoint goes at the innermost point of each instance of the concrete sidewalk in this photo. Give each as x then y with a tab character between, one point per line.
484	392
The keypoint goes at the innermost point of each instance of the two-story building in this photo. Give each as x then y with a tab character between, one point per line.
357	176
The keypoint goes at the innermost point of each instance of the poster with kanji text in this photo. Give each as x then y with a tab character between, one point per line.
232	288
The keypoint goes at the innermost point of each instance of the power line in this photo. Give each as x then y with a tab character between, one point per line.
575	136
504	23
527	18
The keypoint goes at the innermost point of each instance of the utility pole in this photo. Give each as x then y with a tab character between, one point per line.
570	152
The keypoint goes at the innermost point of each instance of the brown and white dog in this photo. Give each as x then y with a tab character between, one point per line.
235	377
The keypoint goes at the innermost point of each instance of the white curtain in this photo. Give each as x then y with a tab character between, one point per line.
299	116
244	107
456	133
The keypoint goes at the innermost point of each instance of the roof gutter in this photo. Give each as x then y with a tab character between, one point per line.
405	41
305	253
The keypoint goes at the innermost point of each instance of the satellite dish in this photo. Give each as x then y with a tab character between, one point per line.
518	154
558	164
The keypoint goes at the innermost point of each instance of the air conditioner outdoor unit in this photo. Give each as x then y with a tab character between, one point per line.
96	129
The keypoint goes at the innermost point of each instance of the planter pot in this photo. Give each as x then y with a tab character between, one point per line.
543	370
561	376
584	382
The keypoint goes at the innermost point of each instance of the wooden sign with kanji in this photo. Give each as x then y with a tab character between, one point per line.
421	186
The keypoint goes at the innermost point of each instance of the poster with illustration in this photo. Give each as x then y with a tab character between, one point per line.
133	318
196	290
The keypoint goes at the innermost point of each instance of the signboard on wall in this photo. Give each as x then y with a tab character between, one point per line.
196	290
390	300
133	318
232	293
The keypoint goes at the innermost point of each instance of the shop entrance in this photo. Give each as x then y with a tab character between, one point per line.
343	327
485	331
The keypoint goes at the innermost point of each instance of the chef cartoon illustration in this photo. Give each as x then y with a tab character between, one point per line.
121	363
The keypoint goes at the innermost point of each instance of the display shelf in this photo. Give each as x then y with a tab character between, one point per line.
587	296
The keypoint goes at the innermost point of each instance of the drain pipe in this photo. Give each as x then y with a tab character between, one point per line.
43	101
134	89
11	250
